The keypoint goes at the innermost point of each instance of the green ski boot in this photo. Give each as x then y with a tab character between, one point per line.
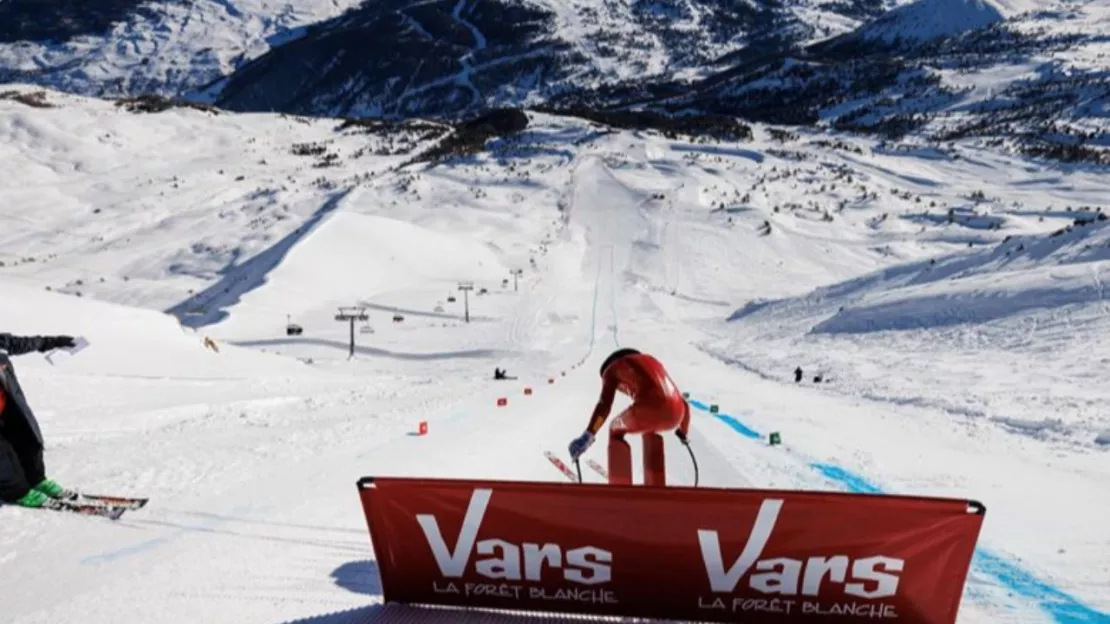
50	487
33	499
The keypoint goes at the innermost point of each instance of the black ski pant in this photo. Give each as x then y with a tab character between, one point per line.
21	464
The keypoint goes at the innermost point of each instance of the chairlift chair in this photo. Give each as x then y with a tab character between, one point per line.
291	328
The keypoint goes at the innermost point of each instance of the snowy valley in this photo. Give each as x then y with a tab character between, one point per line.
876	228
952	303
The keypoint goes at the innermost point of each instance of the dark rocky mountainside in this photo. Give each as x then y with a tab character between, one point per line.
926	70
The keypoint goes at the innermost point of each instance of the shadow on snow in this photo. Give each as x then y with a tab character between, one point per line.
239	280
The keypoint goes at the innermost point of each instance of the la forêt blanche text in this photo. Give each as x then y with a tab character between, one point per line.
521	592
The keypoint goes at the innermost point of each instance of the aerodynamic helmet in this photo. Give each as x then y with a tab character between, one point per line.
614	356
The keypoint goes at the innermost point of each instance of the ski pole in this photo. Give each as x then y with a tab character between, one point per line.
578	467
695	460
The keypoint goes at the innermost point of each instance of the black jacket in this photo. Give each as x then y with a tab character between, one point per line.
17	406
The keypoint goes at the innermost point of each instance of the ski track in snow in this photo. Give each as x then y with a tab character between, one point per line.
463	77
250	449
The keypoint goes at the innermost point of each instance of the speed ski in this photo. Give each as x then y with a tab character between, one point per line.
563	468
561	465
111	501
598	468
112	512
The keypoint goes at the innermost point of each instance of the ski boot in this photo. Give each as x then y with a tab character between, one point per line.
33	499
50	488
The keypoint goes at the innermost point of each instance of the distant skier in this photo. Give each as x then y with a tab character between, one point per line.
657	406
22	472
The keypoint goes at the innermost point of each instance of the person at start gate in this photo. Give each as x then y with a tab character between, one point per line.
657	407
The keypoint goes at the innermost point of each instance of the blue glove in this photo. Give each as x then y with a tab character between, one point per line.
581	444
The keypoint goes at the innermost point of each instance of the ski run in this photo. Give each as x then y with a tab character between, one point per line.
952	306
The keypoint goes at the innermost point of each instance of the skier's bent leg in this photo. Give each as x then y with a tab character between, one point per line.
34	469
637	418
655	465
620	459
13	482
620	453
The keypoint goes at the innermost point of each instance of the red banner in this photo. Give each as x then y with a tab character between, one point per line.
679	553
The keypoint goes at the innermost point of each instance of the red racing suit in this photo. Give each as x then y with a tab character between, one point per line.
657	407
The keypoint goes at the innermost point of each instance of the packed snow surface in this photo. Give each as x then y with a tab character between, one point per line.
952	303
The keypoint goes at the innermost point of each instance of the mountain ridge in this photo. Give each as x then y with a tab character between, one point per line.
925	72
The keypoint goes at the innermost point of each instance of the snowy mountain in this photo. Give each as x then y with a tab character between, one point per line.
170	48
927	20
1026	76
971	376
134	47
1034	83
456	58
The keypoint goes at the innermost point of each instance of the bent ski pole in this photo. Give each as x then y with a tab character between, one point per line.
695	460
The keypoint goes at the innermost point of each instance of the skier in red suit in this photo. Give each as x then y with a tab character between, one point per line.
657	407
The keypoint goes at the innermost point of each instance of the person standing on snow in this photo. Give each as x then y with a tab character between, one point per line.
22	471
657	406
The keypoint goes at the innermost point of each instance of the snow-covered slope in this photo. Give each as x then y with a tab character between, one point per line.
1032	306
625	238
926	20
130	342
102	205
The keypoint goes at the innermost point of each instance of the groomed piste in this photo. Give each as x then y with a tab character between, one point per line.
947	367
